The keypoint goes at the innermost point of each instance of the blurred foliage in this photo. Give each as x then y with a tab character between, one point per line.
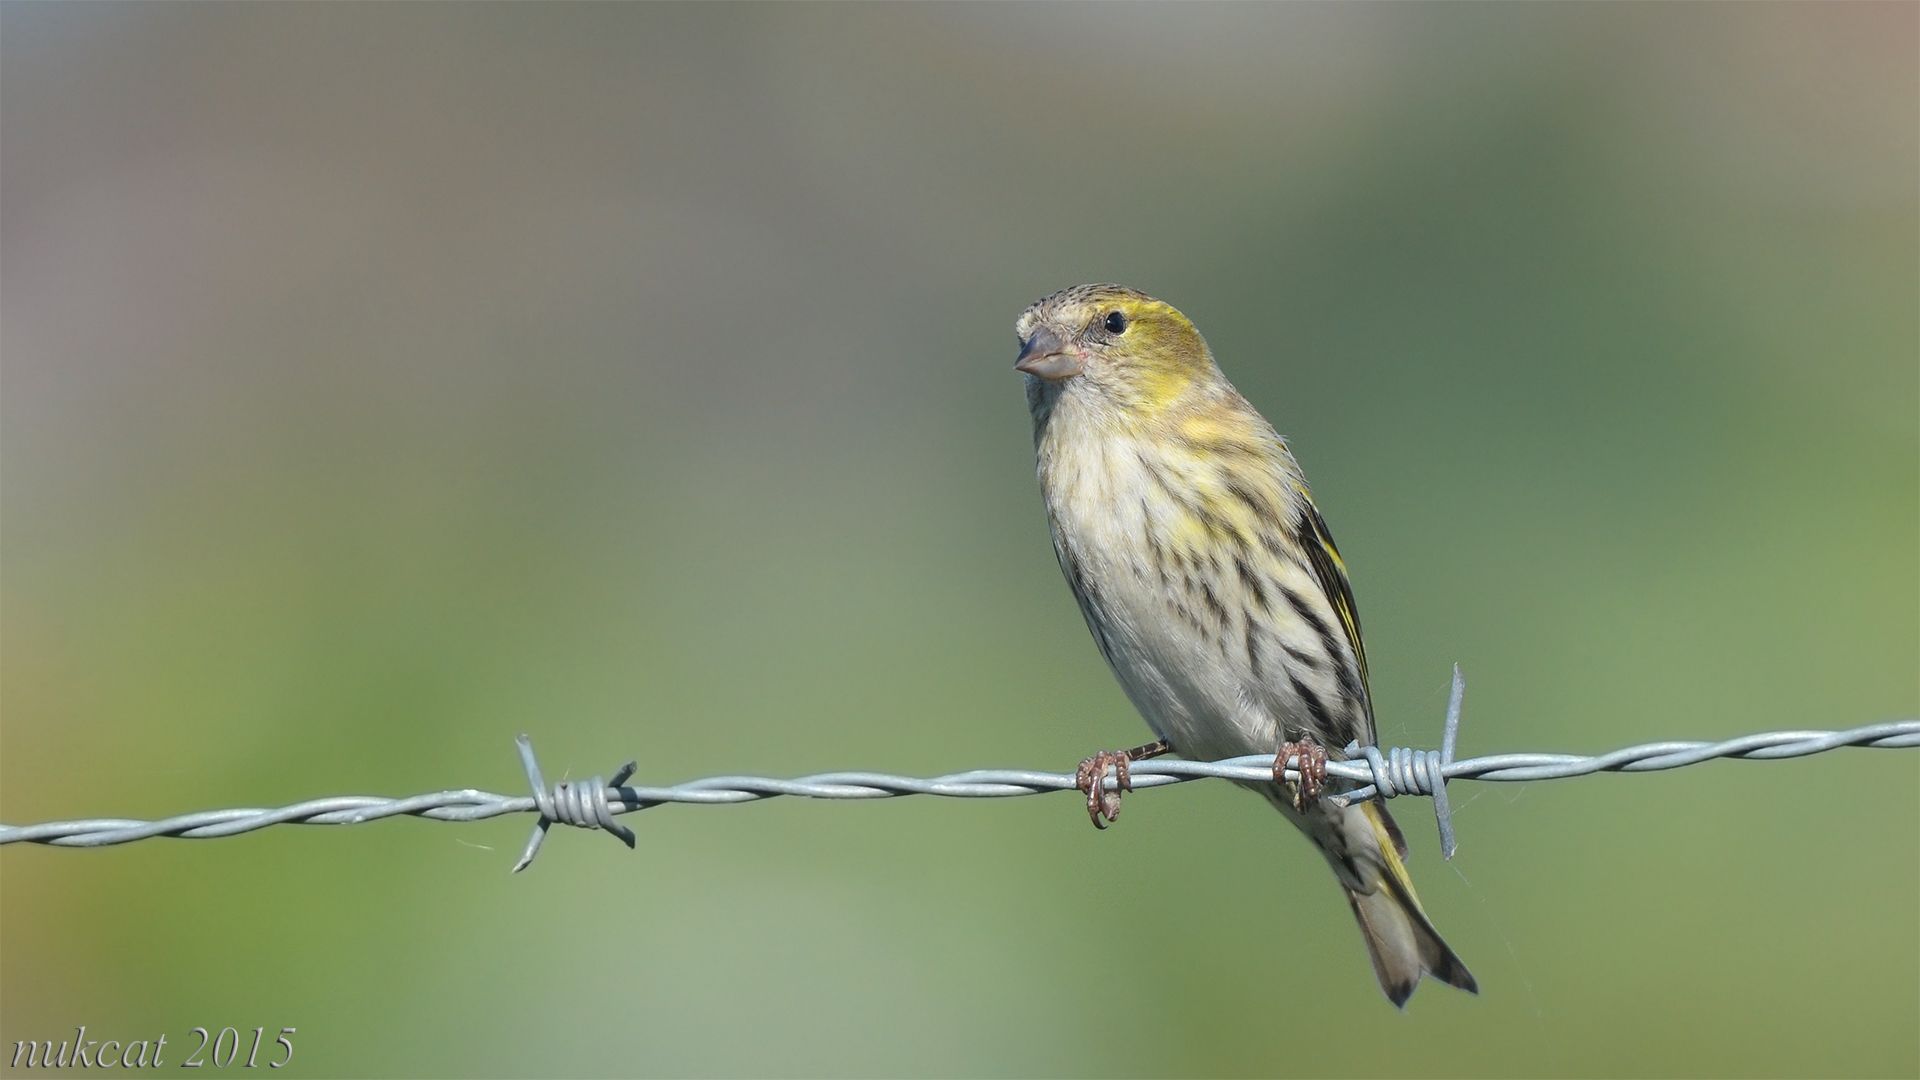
380	381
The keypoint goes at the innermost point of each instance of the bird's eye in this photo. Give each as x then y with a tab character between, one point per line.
1116	322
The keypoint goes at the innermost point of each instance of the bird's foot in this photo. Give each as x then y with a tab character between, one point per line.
1103	806
1310	763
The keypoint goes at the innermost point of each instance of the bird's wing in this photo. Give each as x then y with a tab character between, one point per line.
1331	572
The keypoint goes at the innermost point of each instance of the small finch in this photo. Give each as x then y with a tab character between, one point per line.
1212	587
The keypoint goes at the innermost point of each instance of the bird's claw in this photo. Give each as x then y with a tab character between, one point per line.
1310	764
1103	805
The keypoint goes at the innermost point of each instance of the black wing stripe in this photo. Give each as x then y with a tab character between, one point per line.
1324	559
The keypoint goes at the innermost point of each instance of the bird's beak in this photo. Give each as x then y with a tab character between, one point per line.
1045	355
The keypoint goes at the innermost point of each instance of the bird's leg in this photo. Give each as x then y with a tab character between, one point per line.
1103	805
1310	765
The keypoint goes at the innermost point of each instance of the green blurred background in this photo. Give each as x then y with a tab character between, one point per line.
382	381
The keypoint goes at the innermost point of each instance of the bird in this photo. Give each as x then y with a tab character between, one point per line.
1187	533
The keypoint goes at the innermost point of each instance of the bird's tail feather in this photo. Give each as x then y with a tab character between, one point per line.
1401	939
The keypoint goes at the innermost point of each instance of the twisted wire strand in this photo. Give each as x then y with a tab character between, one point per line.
593	803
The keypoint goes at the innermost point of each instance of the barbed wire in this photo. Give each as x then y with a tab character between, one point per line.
593	803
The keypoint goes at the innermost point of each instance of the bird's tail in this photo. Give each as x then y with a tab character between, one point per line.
1401	939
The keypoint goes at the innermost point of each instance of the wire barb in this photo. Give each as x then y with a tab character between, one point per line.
1415	772
583	805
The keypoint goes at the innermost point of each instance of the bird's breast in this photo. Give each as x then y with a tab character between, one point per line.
1196	594
1162	607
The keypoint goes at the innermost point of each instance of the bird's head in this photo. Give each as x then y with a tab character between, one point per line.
1139	353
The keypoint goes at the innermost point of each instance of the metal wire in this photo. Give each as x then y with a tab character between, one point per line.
593	803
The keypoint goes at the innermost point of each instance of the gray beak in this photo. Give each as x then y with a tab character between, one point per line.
1045	355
